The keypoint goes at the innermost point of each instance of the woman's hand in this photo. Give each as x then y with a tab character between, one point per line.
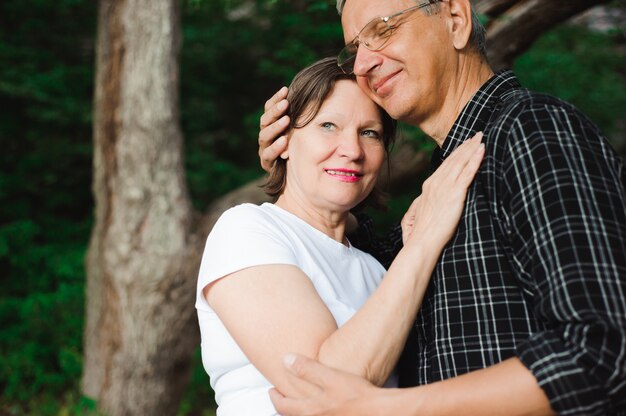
408	221
435	214
272	124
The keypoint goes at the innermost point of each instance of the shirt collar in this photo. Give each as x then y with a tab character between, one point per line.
476	113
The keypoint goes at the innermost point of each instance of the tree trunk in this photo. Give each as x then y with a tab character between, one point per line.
140	326
147	241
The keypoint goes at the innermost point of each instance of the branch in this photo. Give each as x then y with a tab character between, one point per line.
512	31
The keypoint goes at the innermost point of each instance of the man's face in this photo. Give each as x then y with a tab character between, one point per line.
411	75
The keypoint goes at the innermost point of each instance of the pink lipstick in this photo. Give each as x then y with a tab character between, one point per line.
345	175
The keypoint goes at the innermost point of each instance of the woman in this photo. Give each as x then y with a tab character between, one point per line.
283	277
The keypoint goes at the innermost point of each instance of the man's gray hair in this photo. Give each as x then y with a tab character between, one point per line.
478	36
340	4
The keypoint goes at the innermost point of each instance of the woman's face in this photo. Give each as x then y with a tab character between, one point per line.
334	160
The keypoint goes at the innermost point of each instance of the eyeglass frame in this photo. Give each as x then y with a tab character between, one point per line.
354	43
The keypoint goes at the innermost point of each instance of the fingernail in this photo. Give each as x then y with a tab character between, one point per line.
289	359
282	105
479	135
284	120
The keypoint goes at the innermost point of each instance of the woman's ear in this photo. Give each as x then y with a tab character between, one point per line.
285	154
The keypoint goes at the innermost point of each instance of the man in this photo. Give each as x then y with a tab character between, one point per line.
526	310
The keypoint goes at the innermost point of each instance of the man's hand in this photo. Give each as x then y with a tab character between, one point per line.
337	393
272	125
507	388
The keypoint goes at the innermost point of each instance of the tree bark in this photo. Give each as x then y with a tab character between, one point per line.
515	24
147	241
140	325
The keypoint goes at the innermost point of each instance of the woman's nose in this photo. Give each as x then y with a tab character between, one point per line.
351	147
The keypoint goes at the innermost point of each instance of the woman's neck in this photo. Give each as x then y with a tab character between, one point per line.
331	223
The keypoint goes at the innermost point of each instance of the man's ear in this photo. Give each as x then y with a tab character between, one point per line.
461	15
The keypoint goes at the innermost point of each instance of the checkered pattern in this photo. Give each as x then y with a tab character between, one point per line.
537	268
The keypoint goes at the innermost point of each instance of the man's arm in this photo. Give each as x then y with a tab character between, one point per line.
564	209
507	388
564	214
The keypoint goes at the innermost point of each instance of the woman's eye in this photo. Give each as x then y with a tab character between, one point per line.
327	125
371	133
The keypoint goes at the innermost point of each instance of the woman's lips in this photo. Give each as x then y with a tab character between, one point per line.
345	175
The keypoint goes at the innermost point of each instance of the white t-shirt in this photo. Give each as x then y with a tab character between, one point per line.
250	235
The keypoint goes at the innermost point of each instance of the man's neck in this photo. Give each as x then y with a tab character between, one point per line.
472	74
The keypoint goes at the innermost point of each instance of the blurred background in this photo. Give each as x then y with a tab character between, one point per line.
234	55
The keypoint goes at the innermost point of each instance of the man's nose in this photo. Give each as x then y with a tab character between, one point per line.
365	61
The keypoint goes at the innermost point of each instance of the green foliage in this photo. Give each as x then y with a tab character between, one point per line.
232	60
41	311
582	67
45	205
46	132
199	394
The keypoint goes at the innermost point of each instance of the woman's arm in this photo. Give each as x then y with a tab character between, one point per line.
274	309
506	388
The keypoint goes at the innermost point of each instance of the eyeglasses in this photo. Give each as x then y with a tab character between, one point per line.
373	36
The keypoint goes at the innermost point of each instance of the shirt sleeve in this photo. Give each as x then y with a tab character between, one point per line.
382	248
244	236
563	208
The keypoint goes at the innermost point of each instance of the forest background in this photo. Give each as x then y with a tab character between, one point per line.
233	58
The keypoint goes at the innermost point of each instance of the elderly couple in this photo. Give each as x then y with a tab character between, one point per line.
509	271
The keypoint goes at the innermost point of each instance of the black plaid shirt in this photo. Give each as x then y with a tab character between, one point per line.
537	268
